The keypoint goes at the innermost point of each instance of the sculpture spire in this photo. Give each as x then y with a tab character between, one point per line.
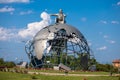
60	17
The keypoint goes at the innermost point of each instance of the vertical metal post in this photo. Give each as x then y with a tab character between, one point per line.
58	54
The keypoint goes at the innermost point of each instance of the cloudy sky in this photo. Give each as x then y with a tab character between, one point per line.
98	20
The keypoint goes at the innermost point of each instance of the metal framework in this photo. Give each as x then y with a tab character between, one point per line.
59	43
62	47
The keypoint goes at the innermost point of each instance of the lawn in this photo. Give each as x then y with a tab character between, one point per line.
19	76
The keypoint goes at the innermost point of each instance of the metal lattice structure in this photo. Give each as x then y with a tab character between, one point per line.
58	43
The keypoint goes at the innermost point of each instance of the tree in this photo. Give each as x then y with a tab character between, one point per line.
6	64
9	64
1	62
104	67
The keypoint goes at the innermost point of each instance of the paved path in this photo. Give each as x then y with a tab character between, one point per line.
62	74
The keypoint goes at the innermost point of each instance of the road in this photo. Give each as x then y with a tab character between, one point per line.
63	74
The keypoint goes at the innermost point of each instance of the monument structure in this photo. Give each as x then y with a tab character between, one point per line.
59	43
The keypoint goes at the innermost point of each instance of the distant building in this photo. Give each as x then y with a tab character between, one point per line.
22	65
92	68
116	63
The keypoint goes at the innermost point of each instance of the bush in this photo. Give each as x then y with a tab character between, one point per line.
104	67
6	64
33	77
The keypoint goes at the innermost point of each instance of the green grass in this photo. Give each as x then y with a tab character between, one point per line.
42	77
13	76
19	76
71	72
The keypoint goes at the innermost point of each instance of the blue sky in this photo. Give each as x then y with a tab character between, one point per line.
97	20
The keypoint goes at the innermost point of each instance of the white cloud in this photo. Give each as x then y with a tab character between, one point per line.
83	19
102	48
89	43
103	21
105	36
7	9
14	1
111	41
118	3
112	22
7	34
33	28
29	32
27	12
115	22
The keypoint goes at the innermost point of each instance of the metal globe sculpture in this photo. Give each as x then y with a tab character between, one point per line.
59	43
